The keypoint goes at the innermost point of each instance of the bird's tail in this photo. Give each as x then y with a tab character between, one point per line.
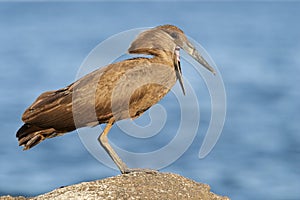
30	135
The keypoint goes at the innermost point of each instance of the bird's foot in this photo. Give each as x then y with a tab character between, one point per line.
148	171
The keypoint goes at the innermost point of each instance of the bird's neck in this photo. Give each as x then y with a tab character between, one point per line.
164	57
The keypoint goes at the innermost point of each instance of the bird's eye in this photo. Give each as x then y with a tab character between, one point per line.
174	35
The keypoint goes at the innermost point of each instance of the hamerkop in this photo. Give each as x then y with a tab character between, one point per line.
124	89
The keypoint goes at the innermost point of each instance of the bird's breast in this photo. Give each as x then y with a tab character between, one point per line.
138	88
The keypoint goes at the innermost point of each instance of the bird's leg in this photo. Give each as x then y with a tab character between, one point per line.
104	143
117	160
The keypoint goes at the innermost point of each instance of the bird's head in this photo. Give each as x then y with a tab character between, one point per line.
181	40
167	38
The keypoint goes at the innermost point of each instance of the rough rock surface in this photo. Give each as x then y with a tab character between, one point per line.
137	185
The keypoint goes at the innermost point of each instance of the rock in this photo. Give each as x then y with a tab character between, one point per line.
136	185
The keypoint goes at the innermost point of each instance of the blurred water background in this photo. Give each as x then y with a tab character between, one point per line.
255	45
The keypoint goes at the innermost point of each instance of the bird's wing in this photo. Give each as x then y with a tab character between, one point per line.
86	102
96	97
53	109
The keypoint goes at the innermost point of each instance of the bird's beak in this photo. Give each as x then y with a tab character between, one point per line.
179	73
192	51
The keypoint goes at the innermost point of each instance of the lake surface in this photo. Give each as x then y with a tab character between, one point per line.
256	47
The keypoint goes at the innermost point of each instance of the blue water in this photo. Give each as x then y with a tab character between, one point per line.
255	45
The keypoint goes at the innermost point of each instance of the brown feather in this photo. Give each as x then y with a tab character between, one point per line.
121	90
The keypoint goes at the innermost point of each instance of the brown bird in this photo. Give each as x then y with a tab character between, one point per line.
121	90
